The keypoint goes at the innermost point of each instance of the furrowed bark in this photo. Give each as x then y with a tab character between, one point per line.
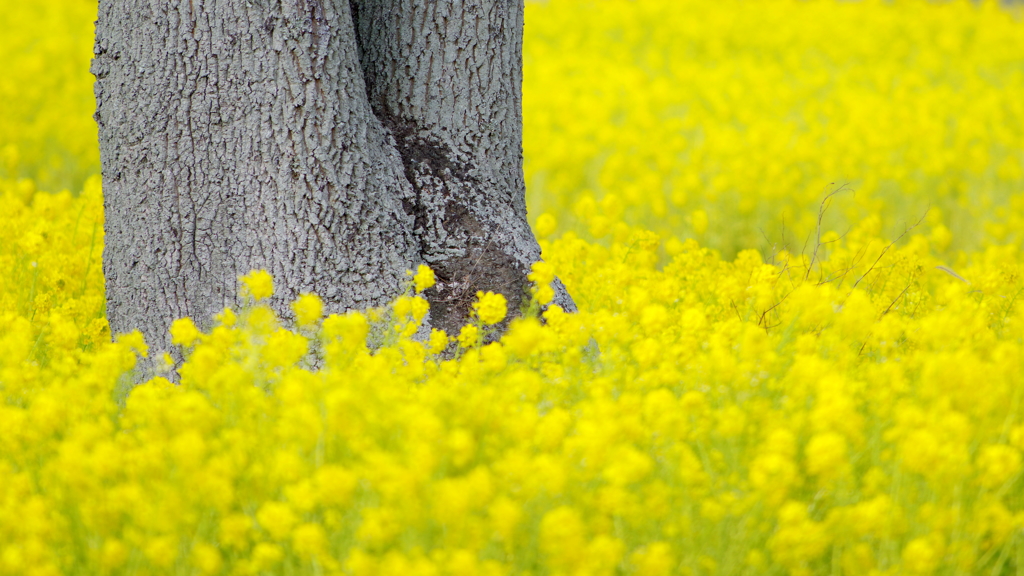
335	144
446	79
237	136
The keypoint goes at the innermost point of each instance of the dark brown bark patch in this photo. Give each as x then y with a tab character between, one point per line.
464	250
485	268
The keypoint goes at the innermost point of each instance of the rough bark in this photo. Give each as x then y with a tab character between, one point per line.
335	144
446	79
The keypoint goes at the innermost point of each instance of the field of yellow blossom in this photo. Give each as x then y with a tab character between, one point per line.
793	230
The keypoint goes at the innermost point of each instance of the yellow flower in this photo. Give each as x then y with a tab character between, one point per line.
996	464
627	466
113	554
921	556
284	348
773	474
462	446
541	272
276	518
402	306
921	452
603	554
438	341
308	309
655	559
874	517
826	455
724	378
415	307
184	332
546	225
798	539
505	516
424	278
352	328
493	357
490	307
544	294
463	563
309	539
265	555
226	317
258	284
334	485
542	275
207	558
563	538
756	559
359	563
188	450
234	530
162	551
378	526
524	336
136	341
468	336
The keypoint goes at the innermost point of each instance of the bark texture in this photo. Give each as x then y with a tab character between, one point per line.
336	144
445	77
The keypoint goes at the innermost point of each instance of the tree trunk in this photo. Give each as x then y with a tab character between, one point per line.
335	144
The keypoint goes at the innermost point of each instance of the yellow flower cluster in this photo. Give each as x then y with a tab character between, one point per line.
849	404
258	285
51	290
46	102
490	308
861	411
725	121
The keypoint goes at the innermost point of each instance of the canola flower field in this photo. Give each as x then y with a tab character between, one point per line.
793	230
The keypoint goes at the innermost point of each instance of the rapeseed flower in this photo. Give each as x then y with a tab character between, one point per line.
424	278
469	336
741	403
258	285
490	308
184	332
308	309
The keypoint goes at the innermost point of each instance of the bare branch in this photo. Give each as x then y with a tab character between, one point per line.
897	299
950	271
891	244
822	208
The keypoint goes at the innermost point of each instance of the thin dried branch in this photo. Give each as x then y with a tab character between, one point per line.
822	208
906	231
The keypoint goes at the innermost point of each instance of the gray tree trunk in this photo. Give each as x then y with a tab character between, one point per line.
336	144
